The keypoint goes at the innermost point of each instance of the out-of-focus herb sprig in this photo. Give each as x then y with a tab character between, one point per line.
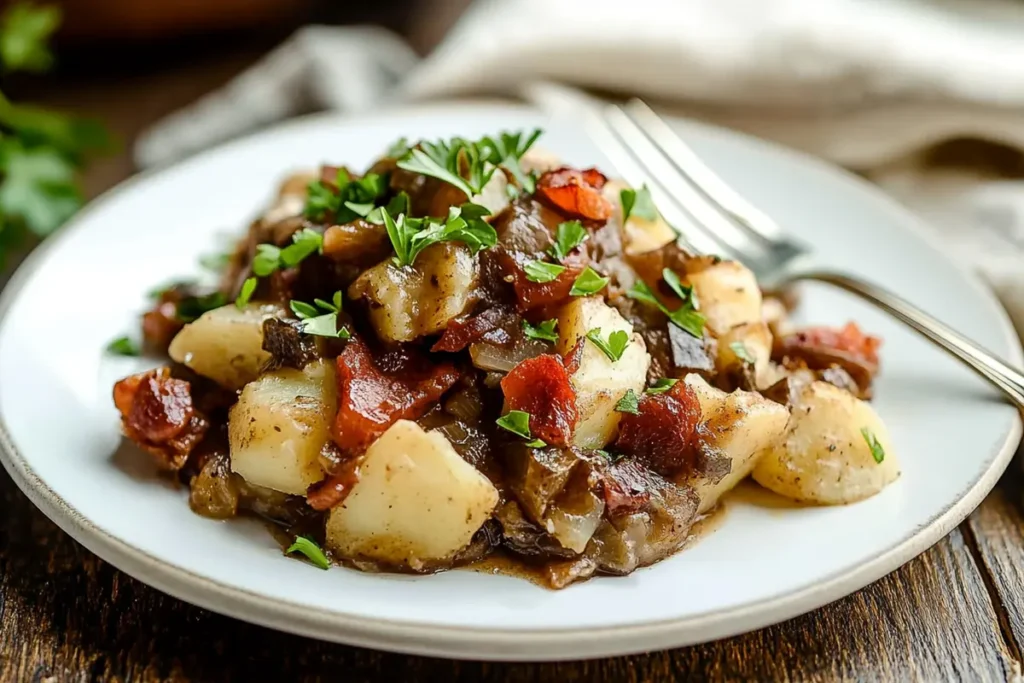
41	150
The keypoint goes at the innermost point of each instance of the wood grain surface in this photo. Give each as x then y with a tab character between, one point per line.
954	613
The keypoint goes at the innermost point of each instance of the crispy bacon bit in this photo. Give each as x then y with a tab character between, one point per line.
571	359
661	435
372	397
576	194
822	348
624	488
158	415
848	339
463	332
540	386
531	295
334	489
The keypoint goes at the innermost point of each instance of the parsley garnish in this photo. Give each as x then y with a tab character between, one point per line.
686	316
661	386
507	149
568	236
248	287
742	352
410	236
589	282
629	403
311	550
398	149
542	271
396	205
270	258
352	199
877	452
614	346
518	422
266	260
317	322
191	308
123	346
545	331
638	203
450	161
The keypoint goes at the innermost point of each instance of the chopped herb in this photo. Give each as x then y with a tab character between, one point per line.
542	271
629	403
507	149
589	282
333	306
267	259
410	236
396	205
614	346
311	550
350	199
604	454
318	323
545	330
661	386
192	307
742	352
536	443
458	162
303	310
248	287
123	346
399	148
568	236
877	452
304	243
638	203
686	316
517	422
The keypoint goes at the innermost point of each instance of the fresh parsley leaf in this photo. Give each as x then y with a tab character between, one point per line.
398	149
877	452
638	203
304	243
361	210
545	330
536	443
311	550
589	282
191	308
604	454
742	352
325	325
457	162
245	295
398	204
568	236
678	288
542	271
614	346
507	149
347	200
321	200
517	422
303	310
267	260
410	236
333	306
661	386
685	317
24	33
629	403
123	346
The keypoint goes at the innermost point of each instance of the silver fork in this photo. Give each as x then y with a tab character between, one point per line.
644	149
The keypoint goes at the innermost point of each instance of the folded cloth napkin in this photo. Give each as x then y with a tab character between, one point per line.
869	85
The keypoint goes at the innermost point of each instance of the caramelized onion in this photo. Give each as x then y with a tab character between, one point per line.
502	359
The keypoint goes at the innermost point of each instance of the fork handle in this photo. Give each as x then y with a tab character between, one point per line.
1007	378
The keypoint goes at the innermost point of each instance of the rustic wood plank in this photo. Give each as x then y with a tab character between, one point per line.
67	616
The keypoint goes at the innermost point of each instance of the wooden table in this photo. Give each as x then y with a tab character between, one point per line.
955	613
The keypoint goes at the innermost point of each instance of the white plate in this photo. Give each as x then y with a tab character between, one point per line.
61	442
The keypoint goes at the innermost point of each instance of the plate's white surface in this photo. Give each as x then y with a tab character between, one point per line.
761	565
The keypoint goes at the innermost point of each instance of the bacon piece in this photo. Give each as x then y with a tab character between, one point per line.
373	397
661	435
160	325
577	194
334	489
571	359
461	333
157	414
848	339
530	295
825	348
540	386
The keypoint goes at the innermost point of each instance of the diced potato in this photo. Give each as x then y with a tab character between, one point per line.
538	160
824	457
494	194
417	501
755	339
279	426
599	382
412	301
728	295
639	234
225	344
740	426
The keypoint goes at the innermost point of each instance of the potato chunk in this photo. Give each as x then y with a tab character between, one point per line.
225	344
280	424
599	382
417	501
824	456
412	301
740	426
728	295
639	234
750	339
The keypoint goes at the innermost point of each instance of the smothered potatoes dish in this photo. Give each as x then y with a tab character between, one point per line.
472	349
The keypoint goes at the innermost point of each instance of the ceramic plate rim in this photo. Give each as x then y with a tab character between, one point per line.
539	644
